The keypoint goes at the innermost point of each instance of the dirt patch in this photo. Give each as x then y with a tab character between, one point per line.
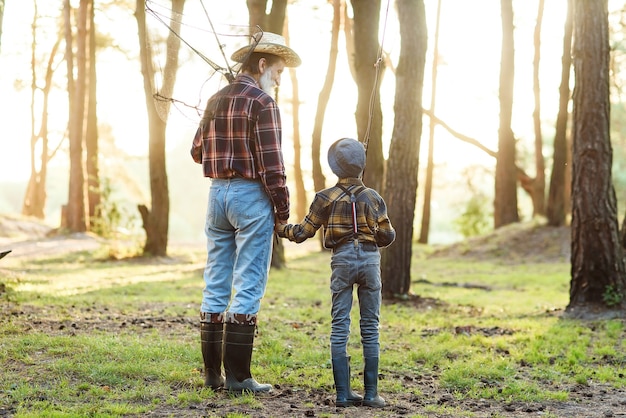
13	228
515	244
29	237
592	400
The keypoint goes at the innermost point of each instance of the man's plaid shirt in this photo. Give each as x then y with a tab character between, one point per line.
331	208
240	136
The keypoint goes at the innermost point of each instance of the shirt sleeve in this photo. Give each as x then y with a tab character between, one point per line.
384	232
196	146
315	219
269	155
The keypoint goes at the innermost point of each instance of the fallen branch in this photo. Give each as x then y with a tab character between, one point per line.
525	180
454	284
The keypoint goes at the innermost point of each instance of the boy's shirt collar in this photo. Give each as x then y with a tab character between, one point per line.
351	180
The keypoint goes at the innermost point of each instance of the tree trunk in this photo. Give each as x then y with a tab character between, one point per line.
272	22
623	233
505	204
76	216
539	182
301	205
278	252
348	33
556	208
35	197
428	186
401	181
276	18
598	272
257	16
91	133
369	116
319	180
156	220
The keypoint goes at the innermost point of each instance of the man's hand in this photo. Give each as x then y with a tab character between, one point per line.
279	228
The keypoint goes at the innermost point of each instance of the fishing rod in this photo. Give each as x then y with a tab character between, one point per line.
230	77
377	65
226	72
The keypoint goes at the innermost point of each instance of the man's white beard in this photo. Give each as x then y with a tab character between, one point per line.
266	82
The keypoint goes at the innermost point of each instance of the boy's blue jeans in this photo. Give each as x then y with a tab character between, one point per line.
239	228
355	265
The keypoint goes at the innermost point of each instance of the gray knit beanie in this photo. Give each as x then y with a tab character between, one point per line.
346	157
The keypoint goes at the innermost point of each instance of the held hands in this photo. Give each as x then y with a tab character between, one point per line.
280	227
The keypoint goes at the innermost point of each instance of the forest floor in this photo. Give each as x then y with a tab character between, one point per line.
521	244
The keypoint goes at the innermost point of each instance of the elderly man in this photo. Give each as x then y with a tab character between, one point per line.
238	144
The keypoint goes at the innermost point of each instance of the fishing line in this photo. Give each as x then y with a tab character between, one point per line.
230	77
377	64
158	12
256	38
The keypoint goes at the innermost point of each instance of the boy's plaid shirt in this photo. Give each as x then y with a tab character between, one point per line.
332	209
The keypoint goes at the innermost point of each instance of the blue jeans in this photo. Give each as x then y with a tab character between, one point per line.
239	229
355	265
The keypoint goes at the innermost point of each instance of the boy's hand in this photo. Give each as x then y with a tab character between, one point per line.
279	228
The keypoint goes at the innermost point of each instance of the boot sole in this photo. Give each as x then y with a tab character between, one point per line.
347	405
253	387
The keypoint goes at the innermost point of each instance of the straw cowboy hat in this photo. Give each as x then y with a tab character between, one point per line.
269	43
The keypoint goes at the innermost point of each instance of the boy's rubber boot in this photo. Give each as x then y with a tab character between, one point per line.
238	342
370	379
211	337
341	373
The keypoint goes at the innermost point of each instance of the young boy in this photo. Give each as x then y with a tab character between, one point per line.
355	224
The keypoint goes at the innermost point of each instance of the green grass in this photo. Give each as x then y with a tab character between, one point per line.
515	347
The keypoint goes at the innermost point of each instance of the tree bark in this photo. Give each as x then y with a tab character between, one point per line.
556	208
401	181
272	22
76	215
623	233
156	219
369	73
91	132
598	283
276	18
256	15
505	203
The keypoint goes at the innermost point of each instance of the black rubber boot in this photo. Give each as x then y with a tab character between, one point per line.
341	373
211	336
238	342
370	379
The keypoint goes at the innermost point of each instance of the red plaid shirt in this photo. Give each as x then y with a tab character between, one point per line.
240	136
